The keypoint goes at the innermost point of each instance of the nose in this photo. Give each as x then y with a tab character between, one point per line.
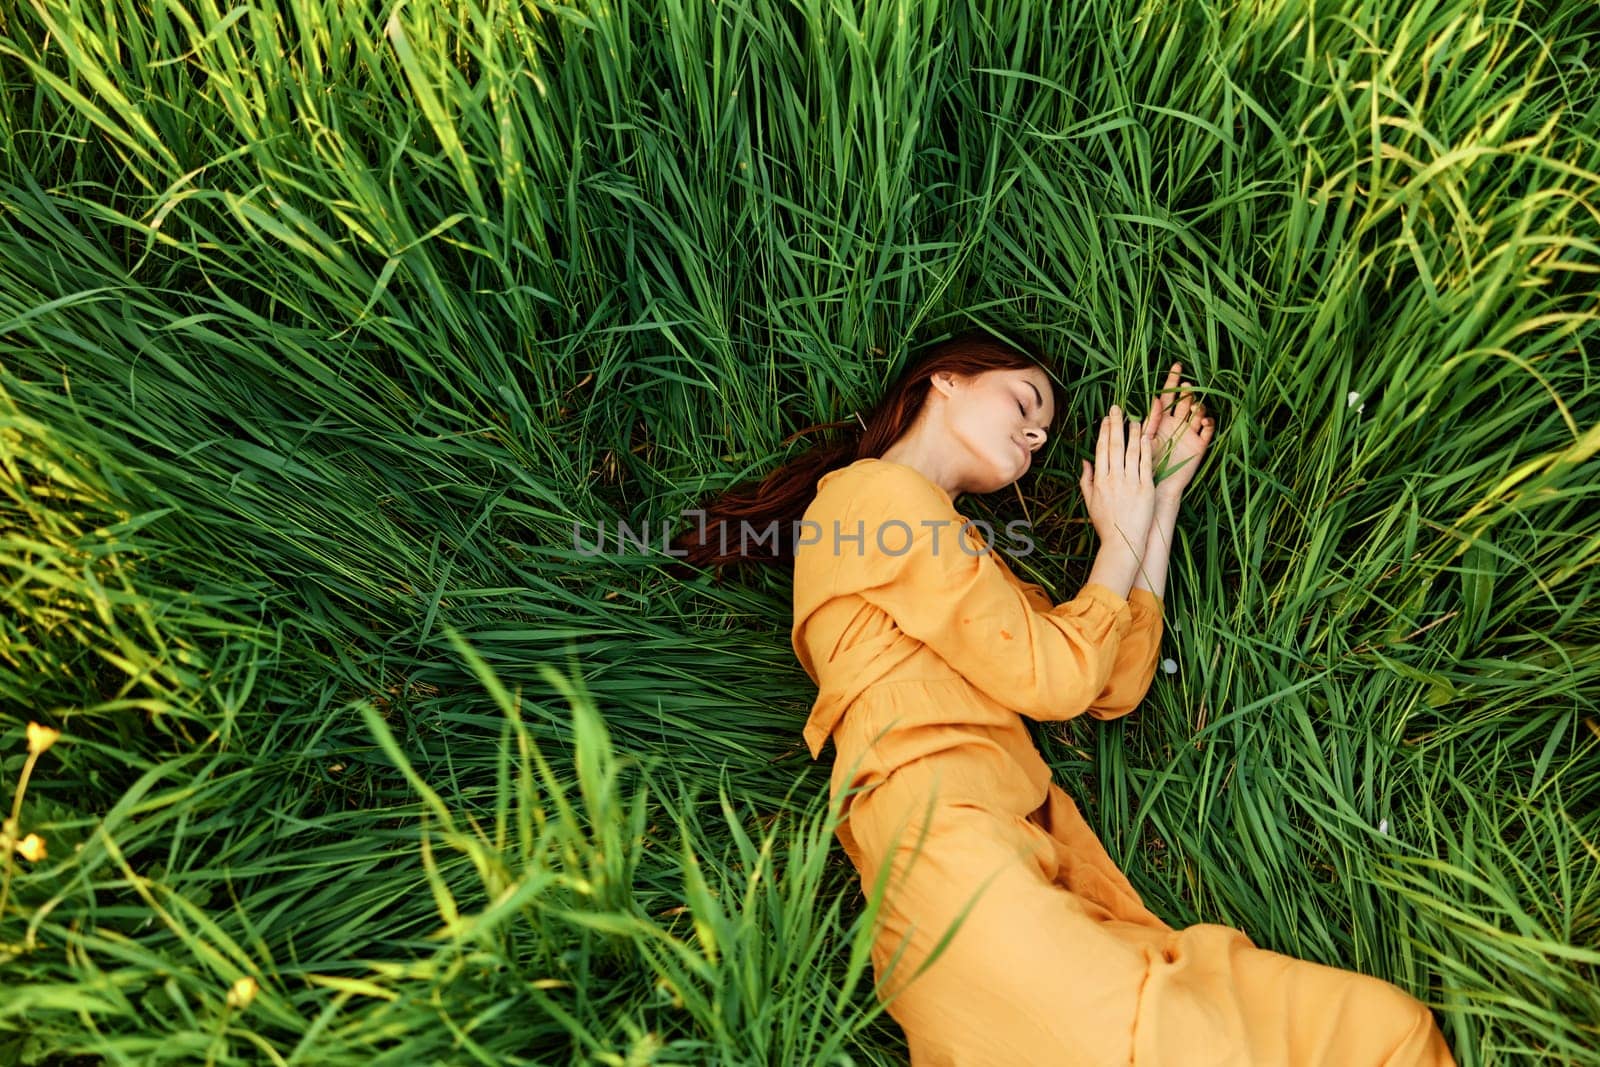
1035	437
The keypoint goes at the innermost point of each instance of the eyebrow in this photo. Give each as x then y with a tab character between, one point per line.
1037	395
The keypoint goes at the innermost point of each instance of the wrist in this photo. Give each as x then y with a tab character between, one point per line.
1116	567
1168	499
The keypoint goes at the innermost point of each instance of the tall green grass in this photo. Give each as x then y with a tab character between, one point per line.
321	324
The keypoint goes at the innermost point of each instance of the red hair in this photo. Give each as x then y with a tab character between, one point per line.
782	497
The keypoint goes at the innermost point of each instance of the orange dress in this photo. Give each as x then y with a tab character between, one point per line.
927	652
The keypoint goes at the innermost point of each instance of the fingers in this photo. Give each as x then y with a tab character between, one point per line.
1146	459
1168	393
1158	403
1189	409
1184	408
1128	447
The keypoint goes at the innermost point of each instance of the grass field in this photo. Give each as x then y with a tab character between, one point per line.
321	324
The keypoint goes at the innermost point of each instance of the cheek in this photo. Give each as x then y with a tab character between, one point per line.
987	426
991	422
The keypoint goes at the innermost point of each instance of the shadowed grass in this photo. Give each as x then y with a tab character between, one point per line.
322	328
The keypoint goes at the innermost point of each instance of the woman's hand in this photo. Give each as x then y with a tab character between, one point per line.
1181	433
1120	490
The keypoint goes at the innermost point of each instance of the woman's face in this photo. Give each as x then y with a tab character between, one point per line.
994	422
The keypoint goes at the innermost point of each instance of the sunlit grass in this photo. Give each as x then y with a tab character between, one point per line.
320	327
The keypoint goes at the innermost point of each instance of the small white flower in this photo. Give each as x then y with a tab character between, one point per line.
1170	666
1383	827
1353	400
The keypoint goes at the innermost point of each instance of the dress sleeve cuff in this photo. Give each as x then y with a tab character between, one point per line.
1121	612
1145	600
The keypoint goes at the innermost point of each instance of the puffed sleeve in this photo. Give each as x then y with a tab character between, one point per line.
895	540
1037	597
1135	665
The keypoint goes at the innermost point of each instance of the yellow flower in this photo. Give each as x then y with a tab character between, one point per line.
242	993
31	848
41	738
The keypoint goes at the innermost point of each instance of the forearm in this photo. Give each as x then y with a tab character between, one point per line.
1116	566
1152	574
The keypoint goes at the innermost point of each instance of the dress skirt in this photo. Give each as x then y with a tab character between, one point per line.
1057	962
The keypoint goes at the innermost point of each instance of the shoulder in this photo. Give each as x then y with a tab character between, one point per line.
878	484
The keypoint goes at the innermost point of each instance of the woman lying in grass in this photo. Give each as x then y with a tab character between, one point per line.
928	652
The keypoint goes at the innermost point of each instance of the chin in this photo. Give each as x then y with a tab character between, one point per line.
1000	470
1005	477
